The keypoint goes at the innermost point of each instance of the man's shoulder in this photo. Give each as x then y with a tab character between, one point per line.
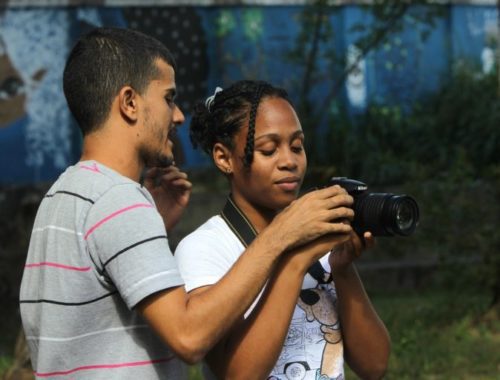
92	180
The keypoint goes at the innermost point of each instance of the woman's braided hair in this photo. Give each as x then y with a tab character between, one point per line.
220	119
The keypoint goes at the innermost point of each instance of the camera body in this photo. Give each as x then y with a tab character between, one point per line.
383	214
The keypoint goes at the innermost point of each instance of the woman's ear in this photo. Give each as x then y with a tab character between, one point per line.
222	157
127	102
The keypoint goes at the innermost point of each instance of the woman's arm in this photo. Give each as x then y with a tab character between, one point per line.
251	349
366	340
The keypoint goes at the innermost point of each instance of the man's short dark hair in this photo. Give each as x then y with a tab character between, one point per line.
101	63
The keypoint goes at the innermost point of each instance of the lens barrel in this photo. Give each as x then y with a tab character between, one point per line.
385	214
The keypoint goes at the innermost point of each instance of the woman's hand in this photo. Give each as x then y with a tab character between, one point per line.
342	255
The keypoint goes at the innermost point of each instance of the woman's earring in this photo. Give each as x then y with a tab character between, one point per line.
228	170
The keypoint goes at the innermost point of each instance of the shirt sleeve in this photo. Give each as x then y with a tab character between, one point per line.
127	241
203	258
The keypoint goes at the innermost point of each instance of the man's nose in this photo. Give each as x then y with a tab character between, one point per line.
178	117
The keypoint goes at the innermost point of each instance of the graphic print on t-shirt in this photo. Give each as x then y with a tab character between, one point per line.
313	348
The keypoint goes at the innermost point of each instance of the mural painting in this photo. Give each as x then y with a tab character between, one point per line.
213	46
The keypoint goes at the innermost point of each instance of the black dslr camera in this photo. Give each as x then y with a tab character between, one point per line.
383	214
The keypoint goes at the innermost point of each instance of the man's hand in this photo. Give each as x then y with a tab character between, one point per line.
341	256
171	191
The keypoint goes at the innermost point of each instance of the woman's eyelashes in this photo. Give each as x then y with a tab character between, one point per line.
269	151
298	148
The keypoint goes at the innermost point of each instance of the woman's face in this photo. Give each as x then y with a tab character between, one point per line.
279	162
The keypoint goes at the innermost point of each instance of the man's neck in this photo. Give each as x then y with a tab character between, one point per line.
117	155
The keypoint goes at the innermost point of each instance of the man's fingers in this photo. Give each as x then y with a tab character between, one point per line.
171	175
171	178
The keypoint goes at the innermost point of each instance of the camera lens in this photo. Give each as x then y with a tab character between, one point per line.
405	216
385	214
402	214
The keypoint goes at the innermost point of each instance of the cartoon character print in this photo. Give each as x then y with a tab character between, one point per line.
319	305
313	349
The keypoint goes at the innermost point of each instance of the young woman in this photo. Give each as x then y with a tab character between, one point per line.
314	312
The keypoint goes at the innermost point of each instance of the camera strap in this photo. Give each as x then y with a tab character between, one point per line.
246	233
238	222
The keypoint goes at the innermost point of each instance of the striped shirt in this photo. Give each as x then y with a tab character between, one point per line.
97	248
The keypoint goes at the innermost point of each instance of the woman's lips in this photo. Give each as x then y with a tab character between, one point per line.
288	184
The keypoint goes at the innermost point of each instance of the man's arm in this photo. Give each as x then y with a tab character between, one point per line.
191	325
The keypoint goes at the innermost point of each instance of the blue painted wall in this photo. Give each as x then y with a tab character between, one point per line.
214	46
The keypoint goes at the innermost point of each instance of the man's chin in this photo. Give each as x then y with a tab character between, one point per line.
158	160
165	161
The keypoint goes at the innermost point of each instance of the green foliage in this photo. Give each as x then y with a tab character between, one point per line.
436	335
315	52
5	364
453	131
195	372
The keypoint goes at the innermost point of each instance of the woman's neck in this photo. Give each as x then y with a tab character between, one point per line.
259	217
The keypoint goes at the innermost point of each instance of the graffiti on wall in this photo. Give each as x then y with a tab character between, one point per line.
34	121
213	46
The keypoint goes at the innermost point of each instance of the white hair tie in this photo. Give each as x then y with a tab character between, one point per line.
210	99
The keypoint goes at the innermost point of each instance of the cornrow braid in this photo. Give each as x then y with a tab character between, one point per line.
249	147
228	112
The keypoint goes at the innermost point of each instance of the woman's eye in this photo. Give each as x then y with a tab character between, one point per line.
268	152
297	148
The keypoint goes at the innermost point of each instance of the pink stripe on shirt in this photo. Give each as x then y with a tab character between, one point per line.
93	168
98	224
55	265
102	366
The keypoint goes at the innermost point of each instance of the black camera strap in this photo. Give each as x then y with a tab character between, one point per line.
238	222
245	232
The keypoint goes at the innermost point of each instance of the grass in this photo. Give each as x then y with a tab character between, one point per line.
436	335
440	335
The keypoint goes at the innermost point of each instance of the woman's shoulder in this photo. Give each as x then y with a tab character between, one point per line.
214	226
213	241
214	231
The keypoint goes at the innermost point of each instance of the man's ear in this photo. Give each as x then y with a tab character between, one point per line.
222	157
127	103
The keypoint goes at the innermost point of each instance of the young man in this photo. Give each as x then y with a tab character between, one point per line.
101	295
